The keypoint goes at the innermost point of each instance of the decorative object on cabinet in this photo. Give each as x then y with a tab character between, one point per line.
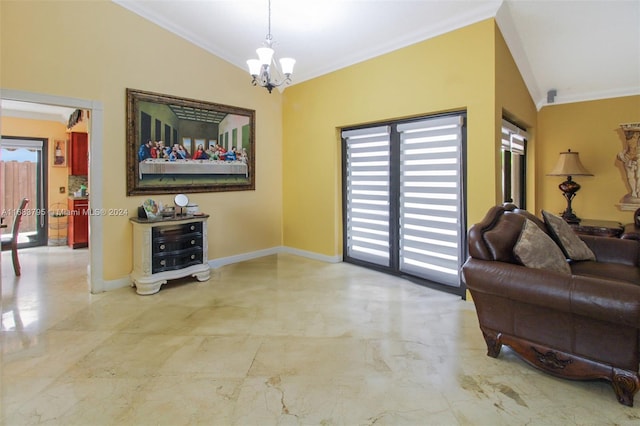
181	201
630	157
179	145
151	208
569	165
79	154
168	248
78	222
60	153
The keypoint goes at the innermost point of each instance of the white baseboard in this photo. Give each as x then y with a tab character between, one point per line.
116	284
311	255
217	263
222	261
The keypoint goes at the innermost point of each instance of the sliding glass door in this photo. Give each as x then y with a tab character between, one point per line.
23	175
404	198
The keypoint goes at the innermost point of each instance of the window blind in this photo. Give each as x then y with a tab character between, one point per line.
513	138
513	147
367	194
430	198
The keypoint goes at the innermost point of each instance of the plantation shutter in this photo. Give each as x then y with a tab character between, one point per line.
431	198
367	194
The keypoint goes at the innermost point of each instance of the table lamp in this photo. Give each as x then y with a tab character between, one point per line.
569	165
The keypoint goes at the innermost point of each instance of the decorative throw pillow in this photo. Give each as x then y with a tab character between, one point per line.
572	246
535	249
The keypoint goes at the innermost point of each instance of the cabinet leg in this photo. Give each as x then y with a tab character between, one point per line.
203	276
148	288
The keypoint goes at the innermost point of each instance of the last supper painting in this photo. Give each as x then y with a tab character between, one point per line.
184	145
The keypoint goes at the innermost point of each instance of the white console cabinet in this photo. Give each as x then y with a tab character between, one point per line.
167	249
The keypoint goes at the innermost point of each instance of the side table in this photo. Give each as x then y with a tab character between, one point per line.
631	232
168	248
600	228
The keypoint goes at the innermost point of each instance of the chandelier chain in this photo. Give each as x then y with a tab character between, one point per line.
264	71
269	36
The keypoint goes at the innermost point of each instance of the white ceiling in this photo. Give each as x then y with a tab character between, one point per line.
583	49
9	108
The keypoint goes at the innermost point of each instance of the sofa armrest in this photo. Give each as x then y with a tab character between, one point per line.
517	282
607	300
613	250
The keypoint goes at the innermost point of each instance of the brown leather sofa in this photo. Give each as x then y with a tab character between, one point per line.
580	325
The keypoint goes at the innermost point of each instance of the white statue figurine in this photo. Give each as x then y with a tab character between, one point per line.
630	158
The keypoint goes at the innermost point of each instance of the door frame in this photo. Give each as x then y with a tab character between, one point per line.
394	212
95	269
42	181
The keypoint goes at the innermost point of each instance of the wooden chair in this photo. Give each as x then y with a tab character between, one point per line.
13	241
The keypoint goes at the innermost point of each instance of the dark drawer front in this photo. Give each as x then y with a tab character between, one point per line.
168	231
176	246
176	243
172	261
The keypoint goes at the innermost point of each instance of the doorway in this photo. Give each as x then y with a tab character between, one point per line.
23	173
403	198
96	124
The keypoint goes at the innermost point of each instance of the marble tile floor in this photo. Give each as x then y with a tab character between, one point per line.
280	340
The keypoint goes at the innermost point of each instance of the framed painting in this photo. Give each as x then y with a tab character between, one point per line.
59	153
180	145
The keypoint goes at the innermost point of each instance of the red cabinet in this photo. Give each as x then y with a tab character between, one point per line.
78	231
79	154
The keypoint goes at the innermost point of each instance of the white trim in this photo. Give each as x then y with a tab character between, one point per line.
223	261
476	14
514	43
311	255
587	97
95	268
116	284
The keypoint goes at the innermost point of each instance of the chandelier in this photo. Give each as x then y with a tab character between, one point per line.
265	70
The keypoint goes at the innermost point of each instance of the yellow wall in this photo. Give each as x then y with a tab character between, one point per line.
592	129
94	51
298	160
455	71
514	103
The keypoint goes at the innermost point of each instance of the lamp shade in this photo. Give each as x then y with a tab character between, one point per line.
264	55
254	67
287	65
569	165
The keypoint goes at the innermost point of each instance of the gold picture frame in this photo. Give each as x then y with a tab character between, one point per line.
181	145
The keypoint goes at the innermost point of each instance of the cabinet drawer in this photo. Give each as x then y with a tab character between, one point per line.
176	230
173	261
176	243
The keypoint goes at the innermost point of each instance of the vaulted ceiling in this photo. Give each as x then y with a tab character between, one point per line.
582	49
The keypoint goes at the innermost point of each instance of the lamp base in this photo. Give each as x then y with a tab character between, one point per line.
569	189
570	217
